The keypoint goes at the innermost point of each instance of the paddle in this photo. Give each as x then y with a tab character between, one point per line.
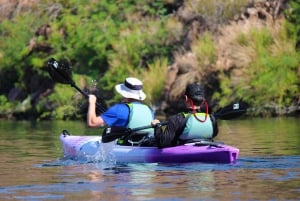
113	133
231	111
61	72
228	112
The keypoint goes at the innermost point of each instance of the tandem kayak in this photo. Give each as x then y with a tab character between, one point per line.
91	148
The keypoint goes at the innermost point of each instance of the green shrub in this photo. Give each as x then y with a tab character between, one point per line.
270	80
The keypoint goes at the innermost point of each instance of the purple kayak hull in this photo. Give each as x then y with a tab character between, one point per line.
90	147
178	154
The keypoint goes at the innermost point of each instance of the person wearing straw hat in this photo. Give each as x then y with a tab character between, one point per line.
130	113
189	126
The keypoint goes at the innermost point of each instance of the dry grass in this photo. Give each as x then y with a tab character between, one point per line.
186	72
153	79
175	29
215	11
234	47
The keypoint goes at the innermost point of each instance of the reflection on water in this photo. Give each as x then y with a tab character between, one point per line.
280	136
32	167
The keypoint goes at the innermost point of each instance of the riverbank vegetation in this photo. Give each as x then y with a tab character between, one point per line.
239	50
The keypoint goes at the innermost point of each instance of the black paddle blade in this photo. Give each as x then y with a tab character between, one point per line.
60	71
231	111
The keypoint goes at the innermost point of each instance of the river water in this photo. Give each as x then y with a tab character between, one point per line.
32	167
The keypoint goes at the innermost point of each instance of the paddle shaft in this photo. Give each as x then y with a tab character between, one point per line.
228	112
146	127
99	108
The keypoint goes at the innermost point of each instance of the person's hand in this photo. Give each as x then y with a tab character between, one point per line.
92	99
155	122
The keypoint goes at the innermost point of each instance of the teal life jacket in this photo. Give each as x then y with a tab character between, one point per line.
140	115
195	129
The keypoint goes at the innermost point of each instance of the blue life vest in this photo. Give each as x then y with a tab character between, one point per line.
195	129
140	115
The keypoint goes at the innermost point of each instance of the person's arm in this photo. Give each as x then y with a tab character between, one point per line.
215	125
92	119
169	136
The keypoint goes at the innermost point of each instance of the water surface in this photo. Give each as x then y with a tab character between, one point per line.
32	167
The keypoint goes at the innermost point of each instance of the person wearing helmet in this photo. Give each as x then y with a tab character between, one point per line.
188	126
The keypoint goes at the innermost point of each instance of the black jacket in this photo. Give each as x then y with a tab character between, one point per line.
170	135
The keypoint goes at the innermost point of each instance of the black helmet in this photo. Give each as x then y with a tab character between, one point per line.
195	92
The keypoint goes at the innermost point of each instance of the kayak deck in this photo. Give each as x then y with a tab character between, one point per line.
91	148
